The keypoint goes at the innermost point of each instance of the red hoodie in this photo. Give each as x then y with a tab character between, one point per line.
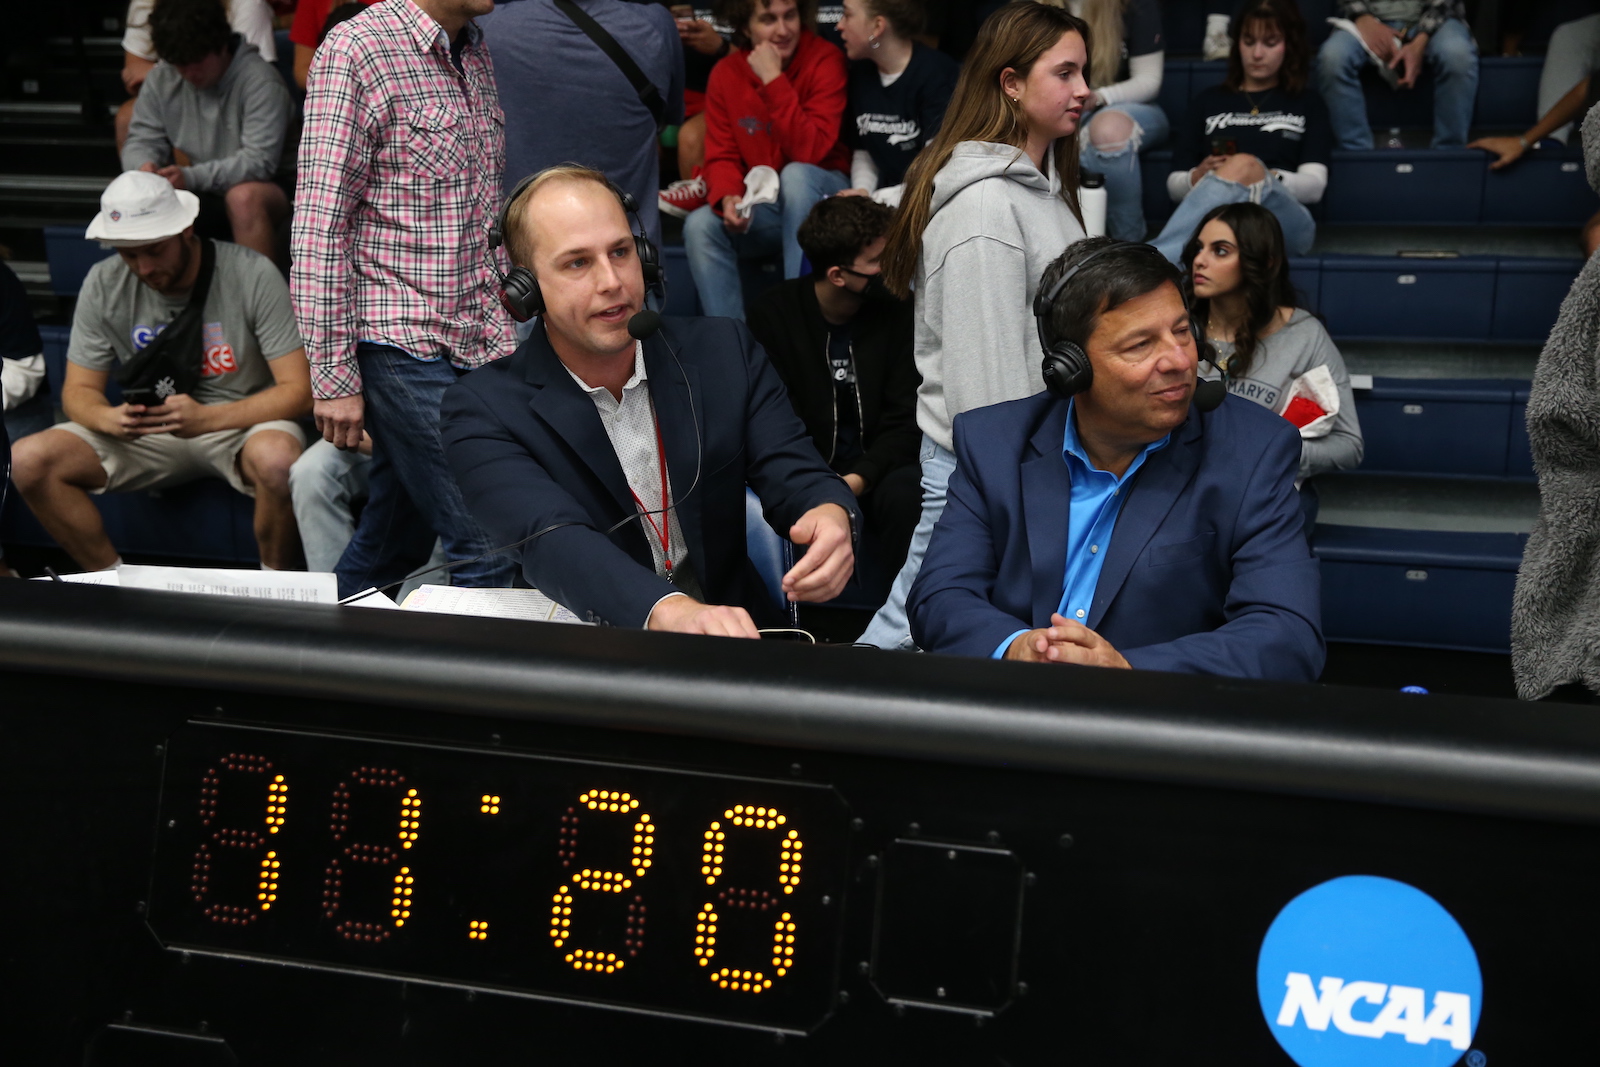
794	119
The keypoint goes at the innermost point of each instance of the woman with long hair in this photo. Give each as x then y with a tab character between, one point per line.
988	204
1261	136
1126	78
1236	278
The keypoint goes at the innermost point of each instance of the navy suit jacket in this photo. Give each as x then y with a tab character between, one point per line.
528	449
1208	570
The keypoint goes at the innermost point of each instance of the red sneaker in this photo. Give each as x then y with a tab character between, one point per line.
682	197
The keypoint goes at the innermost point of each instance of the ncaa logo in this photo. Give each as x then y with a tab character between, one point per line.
1369	971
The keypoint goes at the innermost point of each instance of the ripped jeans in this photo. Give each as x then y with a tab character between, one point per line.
1299	228
1119	162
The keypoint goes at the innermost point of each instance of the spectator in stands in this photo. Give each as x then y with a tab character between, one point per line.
240	343
1261	136
1398	36
394	284
899	89
619	465
842	343
773	109
704	43
1555	610
312	21
1237	283
1040	556
988	205
600	119
250	19
1572	55
1126	76
214	99
23	396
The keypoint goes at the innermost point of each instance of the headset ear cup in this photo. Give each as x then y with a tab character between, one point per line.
649	260
1066	370
520	295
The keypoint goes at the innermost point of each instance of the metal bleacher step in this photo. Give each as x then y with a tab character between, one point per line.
1445	241
1416	502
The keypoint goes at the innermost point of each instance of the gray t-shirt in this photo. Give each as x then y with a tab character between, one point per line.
1285	355
248	321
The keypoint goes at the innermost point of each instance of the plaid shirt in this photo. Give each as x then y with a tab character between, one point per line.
1434	13
400	169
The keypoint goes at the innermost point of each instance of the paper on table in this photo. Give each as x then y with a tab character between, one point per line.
300	587
85	578
372	599
493	603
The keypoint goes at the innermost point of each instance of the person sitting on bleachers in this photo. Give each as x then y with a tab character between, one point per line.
312	21
1117	520
615	468
250	19
704	44
776	103
213	98
1125	71
1237	283
24	397
899	89
549	113
842	343
181	308
1399	35
1262	135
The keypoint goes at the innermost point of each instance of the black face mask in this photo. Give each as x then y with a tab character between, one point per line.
875	292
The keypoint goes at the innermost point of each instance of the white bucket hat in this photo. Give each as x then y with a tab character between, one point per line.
140	207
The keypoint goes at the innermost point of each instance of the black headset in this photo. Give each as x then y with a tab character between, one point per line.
519	290
1066	368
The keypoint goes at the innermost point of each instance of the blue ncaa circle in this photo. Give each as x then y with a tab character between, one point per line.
1369	971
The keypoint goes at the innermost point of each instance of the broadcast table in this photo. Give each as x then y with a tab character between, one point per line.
252	833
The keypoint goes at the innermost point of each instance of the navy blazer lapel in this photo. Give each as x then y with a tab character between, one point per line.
1046	507
672	386
1156	487
570	412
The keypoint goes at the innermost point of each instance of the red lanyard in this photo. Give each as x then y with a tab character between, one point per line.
664	531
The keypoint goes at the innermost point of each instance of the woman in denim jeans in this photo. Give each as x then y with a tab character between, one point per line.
1261	136
1125	72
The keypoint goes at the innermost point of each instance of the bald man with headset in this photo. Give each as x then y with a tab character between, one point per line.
614	446
1131	515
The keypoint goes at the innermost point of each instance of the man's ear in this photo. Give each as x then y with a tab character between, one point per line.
835	276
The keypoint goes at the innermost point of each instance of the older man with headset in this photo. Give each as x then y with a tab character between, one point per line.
1130	516
613	448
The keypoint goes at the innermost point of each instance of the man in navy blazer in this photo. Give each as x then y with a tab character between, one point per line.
1123	526
626	462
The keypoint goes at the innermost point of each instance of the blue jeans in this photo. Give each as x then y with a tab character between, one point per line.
1119	162
1451	53
889	628
1299	228
410	492
714	252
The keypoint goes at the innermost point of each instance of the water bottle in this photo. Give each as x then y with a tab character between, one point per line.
1092	200
1394	140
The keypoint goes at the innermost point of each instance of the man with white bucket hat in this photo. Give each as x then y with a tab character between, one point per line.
203	333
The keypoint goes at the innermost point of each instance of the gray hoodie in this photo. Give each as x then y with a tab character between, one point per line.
997	224
232	132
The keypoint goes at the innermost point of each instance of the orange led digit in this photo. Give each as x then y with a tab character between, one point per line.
266	870
602	801
713	853
401	884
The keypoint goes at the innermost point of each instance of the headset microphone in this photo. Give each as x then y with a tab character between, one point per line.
1209	395
644	325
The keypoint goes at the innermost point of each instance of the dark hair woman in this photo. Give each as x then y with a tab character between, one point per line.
1261	136
987	206
1236	277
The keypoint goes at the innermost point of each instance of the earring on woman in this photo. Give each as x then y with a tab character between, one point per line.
872	42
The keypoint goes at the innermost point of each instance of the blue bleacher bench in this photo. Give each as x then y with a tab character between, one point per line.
1427	588
1519	456
1444	426
1470	299
70	257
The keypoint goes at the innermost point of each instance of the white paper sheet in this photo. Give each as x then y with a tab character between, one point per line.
493	603
85	578
299	587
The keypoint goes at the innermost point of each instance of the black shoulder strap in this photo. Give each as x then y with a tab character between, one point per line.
649	95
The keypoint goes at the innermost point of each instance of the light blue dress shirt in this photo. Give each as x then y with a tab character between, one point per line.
1097	498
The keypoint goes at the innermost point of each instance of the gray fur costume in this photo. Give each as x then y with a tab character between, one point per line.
1555	614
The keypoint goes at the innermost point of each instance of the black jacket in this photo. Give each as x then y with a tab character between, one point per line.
788	322
530	453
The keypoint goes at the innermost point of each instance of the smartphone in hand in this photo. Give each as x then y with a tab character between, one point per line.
1224	146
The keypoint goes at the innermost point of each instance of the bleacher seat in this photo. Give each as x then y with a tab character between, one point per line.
70	257
1544	185
1437	426
681	296
1519	456
1527	296
1384	297
1432	588
1401	185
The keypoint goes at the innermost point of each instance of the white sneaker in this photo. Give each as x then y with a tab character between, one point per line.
1216	44
683	196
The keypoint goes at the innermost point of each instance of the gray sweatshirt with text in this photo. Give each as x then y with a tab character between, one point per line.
232	132
997	224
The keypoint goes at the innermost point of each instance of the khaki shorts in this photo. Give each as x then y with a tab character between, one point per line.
161	459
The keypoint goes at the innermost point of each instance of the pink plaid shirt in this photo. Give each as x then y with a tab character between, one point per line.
401	163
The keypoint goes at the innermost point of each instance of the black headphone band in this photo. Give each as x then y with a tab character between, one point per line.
497	232
1044	301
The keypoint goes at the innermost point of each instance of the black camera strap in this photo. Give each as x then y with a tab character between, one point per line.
171	362
649	95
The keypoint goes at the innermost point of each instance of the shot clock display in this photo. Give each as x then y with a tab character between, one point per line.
652	889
